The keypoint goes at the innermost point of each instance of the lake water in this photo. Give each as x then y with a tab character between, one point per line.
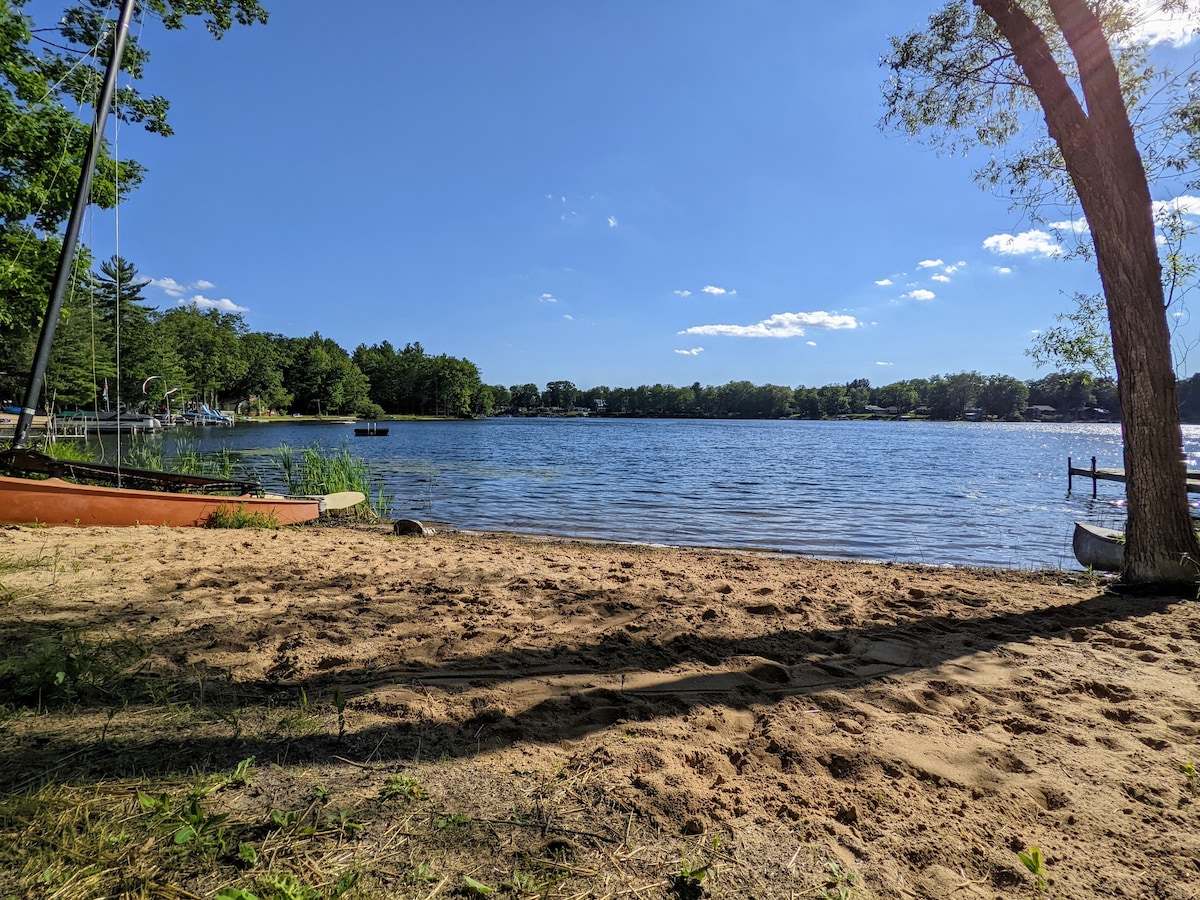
982	494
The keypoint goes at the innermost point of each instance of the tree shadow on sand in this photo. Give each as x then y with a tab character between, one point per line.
621	676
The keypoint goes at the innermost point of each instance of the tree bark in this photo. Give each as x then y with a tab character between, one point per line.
1106	169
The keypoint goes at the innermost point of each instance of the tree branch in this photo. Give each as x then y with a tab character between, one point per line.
1065	118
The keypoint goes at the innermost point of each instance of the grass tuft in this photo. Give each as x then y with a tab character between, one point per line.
316	471
228	515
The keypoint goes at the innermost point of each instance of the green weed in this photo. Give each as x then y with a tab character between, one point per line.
838	884
200	832
227	515
402	787
476	888
1036	864
303	720
66	667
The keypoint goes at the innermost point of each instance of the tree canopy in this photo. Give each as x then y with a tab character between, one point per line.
48	71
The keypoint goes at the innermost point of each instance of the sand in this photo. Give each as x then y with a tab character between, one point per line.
918	726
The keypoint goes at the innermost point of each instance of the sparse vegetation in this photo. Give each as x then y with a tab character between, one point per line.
75	451
188	460
230	515
316	471
1033	860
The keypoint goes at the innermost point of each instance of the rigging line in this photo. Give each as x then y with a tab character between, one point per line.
116	156
118	312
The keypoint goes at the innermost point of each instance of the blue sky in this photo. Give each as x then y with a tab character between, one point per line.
616	193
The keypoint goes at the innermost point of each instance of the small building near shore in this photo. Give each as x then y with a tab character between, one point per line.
1039	413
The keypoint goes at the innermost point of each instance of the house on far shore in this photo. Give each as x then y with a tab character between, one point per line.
882	411
1038	413
973	414
1092	414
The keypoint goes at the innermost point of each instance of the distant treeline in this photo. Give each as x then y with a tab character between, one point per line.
192	355
1062	395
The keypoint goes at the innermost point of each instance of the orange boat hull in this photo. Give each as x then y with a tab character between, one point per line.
52	501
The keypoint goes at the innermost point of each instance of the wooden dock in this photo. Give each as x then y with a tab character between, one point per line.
1102	474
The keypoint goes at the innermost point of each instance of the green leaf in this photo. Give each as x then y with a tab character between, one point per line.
1032	858
478	886
185	834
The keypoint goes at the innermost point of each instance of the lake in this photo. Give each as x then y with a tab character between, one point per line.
979	494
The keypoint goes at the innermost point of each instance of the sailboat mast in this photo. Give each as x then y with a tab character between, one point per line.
62	274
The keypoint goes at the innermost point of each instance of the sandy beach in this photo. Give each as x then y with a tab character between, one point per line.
784	719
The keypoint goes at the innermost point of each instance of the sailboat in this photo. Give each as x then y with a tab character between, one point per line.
73	493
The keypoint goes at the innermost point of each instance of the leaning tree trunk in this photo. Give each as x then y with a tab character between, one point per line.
1106	169
1160	540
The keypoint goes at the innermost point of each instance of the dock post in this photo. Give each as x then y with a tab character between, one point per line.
1068	474
1093	478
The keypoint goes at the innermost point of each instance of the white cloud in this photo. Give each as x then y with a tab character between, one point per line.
683	293
884	364
547	298
612	221
1078	226
224	304
1185	205
568	317
930	263
179	291
780	325
1027	243
716	291
1156	26
942	278
884	282
920	294
811	343
1002	270
695	351
173	288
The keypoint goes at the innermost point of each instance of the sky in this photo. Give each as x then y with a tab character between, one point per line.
617	193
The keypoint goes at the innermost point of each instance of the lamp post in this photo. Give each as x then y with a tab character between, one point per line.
166	396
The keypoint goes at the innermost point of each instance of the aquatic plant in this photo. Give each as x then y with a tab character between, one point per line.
317	471
189	460
144	453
